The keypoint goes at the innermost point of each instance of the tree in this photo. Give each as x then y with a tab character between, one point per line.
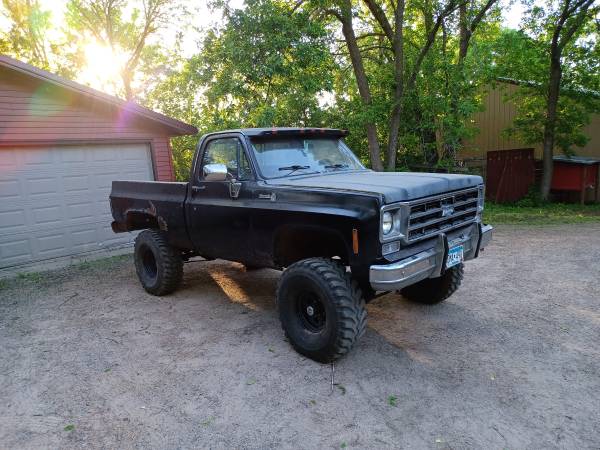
344	14
558	25
267	65
106	21
27	37
521	60
472	15
401	38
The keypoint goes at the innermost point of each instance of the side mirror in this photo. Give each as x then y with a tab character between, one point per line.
215	172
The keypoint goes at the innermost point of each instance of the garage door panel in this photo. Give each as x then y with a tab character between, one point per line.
47	215
134	155
85	236
12	219
35	159
136	175
70	156
107	154
51	244
15	252
76	183
9	188
54	201
42	185
79	210
107	236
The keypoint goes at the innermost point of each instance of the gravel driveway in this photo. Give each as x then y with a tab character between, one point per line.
88	359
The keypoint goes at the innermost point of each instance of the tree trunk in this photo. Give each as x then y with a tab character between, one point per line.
126	78
550	123
363	88
399	89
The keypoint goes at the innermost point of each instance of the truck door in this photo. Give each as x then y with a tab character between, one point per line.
219	212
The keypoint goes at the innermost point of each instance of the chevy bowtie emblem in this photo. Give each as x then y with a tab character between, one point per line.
447	210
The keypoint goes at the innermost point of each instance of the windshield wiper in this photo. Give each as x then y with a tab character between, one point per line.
337	166
294	168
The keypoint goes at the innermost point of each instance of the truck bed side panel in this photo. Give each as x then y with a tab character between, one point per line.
137	205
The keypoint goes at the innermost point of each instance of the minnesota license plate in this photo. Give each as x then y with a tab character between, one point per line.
455	256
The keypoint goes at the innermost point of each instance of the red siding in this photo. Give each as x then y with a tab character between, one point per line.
36	112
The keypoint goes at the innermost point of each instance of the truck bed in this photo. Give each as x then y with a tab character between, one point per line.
137	205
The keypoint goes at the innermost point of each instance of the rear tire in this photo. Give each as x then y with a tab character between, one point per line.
435	290
321	309
158	265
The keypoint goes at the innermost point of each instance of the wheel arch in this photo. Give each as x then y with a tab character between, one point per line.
139	220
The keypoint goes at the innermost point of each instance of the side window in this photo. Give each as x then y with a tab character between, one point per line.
230	152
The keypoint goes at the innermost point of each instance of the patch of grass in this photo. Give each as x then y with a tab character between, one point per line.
393	400
37	279
341	388
208	421
529	213
69	427
102	263
251	381
50	276
32	277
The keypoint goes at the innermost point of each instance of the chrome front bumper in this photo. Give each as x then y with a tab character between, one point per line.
429	263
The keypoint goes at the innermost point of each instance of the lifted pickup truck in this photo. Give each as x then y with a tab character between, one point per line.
298	200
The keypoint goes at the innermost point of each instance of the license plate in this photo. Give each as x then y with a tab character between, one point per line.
455	256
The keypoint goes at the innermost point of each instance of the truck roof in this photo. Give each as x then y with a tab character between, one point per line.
286	131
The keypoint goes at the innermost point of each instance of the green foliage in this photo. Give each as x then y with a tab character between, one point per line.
124	27
28	38
522	58
267	66
392	400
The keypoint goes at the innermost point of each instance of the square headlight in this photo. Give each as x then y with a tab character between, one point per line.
390	223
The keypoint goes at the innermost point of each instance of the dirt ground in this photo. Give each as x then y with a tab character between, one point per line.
88	359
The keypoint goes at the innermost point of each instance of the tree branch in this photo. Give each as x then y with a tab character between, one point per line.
381	18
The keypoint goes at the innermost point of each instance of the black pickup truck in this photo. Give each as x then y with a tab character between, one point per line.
298	200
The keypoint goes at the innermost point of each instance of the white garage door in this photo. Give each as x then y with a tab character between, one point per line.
54	200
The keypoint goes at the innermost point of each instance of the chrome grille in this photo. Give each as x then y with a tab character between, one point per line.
434	215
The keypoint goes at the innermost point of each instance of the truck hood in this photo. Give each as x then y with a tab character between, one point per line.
394	186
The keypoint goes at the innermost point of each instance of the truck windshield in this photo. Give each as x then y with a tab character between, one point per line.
283	157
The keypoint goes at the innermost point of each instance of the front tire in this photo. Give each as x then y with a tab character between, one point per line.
158	265
321	309
435	290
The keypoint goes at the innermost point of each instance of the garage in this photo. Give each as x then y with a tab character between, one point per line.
61	146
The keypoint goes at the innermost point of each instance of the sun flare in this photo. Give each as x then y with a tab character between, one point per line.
103	67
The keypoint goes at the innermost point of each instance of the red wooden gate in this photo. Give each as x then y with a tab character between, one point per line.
509	174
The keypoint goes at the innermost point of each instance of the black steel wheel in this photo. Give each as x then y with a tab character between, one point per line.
321	308
159	266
